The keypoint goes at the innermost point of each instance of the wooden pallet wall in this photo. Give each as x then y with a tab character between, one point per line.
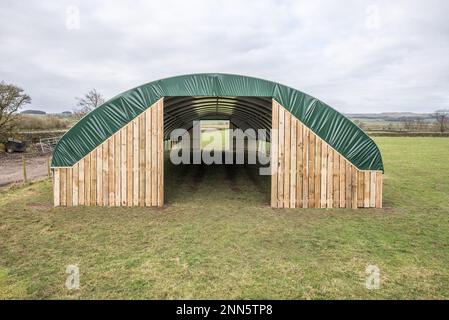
311	174
125	170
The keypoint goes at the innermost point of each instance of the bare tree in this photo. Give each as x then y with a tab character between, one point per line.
90	101
442	119
12	98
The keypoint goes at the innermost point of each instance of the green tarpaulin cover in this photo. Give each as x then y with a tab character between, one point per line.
333	127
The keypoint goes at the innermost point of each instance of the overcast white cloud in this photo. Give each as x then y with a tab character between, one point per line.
358	56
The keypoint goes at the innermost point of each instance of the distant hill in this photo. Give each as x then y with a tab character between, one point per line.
391	116
38	112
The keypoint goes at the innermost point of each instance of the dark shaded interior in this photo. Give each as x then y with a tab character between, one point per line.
242	112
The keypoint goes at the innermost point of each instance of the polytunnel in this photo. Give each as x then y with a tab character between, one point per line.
114	156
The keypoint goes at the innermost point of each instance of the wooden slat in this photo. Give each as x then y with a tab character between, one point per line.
124	167
360	188
306	146
154	147
129	163
317	178
311	168
336	177
148	158
274	154
56	187
161	181
100	175
75	184
135	162
348	191
105	173
372	197
69	187
63	186
330	177
117	167
342	182
142	160
82	192
87	180
160	137
111	167
354	186
324	175
366	188
287	132
293	163
93	177
299	164
379	179
281	152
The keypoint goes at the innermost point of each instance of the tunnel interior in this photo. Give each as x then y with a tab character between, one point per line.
225	179
242	112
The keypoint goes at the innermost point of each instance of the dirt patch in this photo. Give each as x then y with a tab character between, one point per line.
254	178
11	167
230	178
200	172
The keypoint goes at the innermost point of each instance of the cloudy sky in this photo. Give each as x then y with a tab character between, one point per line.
358	56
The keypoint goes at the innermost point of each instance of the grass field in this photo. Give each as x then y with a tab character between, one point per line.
218	238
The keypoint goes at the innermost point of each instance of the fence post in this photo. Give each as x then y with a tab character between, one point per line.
24	169
48	167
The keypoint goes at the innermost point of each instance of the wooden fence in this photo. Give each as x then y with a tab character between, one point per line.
125	170
308	173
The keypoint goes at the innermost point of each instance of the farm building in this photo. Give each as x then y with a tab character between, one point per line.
114	156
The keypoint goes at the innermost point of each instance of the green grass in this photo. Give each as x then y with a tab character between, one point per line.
218	238
215	139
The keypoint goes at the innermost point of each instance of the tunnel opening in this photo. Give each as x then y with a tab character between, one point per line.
225	136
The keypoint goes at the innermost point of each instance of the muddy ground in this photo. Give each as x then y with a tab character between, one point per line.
11	167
